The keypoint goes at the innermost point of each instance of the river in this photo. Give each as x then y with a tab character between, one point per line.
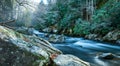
88	50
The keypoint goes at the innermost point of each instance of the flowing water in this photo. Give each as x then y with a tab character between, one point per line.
89	50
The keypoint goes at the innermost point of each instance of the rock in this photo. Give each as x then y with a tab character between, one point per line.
30	31
69	60
61	38
52	38
108	56
11	55
22	29
56	38
23	50
93	37
118	41
39	34
48	30
55	31
29	49
112	36
25	30
1	49
46	35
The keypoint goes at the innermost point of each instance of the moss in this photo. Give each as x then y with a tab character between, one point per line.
11	53
24	56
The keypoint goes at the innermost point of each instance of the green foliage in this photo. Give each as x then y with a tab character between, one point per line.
116	21
64	14
100	15
106	18
100	23
115	15
66	21
81	27
69	14
51	18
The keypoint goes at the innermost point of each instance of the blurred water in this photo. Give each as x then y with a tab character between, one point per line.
87	50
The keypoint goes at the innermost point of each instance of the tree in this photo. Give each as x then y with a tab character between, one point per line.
20	10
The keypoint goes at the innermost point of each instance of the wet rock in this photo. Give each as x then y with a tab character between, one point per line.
69	60
118	41
52	38
56	38
48	30
55	30
46	35
108	56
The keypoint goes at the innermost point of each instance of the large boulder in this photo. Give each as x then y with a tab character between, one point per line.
106	56
18	47
22	50
109	56
11	55
69	60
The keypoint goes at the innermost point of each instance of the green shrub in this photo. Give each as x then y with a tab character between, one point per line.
81	27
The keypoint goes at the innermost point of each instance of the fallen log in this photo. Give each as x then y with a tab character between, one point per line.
10	21
5	24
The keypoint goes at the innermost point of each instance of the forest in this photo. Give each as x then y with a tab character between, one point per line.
59	32
92	19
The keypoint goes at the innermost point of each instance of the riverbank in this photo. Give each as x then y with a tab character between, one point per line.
85	49
110	37
102	25
17	49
